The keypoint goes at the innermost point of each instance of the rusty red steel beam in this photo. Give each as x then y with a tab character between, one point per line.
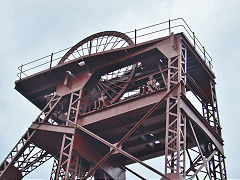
37	160
27	137
132	81
52	128
147	115
194	116
203	164
199	90
131	132
116	147
125	108
196	139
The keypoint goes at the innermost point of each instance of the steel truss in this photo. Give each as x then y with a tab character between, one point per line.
210	110
183	160
176	122
217	163
199	160
64	171
67	167
210	113
19	156
117	147
175	139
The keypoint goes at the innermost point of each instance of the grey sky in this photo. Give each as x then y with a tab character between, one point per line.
34	28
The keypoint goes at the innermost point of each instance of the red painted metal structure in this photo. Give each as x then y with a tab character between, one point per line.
111	102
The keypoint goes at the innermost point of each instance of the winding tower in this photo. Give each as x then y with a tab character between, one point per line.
112	100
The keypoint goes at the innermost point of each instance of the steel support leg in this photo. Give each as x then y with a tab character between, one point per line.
65	157
24	148
35	161
175	139
210	113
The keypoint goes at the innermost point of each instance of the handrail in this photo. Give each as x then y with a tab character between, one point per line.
49	61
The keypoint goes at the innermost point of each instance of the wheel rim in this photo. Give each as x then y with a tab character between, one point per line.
111	85
99	42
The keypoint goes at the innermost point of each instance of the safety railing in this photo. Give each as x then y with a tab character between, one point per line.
138	36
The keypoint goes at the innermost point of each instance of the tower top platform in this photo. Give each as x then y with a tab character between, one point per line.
107	50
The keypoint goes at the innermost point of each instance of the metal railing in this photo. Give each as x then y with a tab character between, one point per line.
138	35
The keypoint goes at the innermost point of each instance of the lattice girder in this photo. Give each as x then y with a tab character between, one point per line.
21	152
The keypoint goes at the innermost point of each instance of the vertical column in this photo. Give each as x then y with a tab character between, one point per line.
217	126
66	153
210	109
217	164
210	112
175	139
54	169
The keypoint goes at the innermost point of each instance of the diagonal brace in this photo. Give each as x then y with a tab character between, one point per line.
118	145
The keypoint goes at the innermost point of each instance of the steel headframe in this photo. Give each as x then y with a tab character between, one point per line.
180	163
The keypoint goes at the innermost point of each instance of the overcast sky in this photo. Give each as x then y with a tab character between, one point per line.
34	28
